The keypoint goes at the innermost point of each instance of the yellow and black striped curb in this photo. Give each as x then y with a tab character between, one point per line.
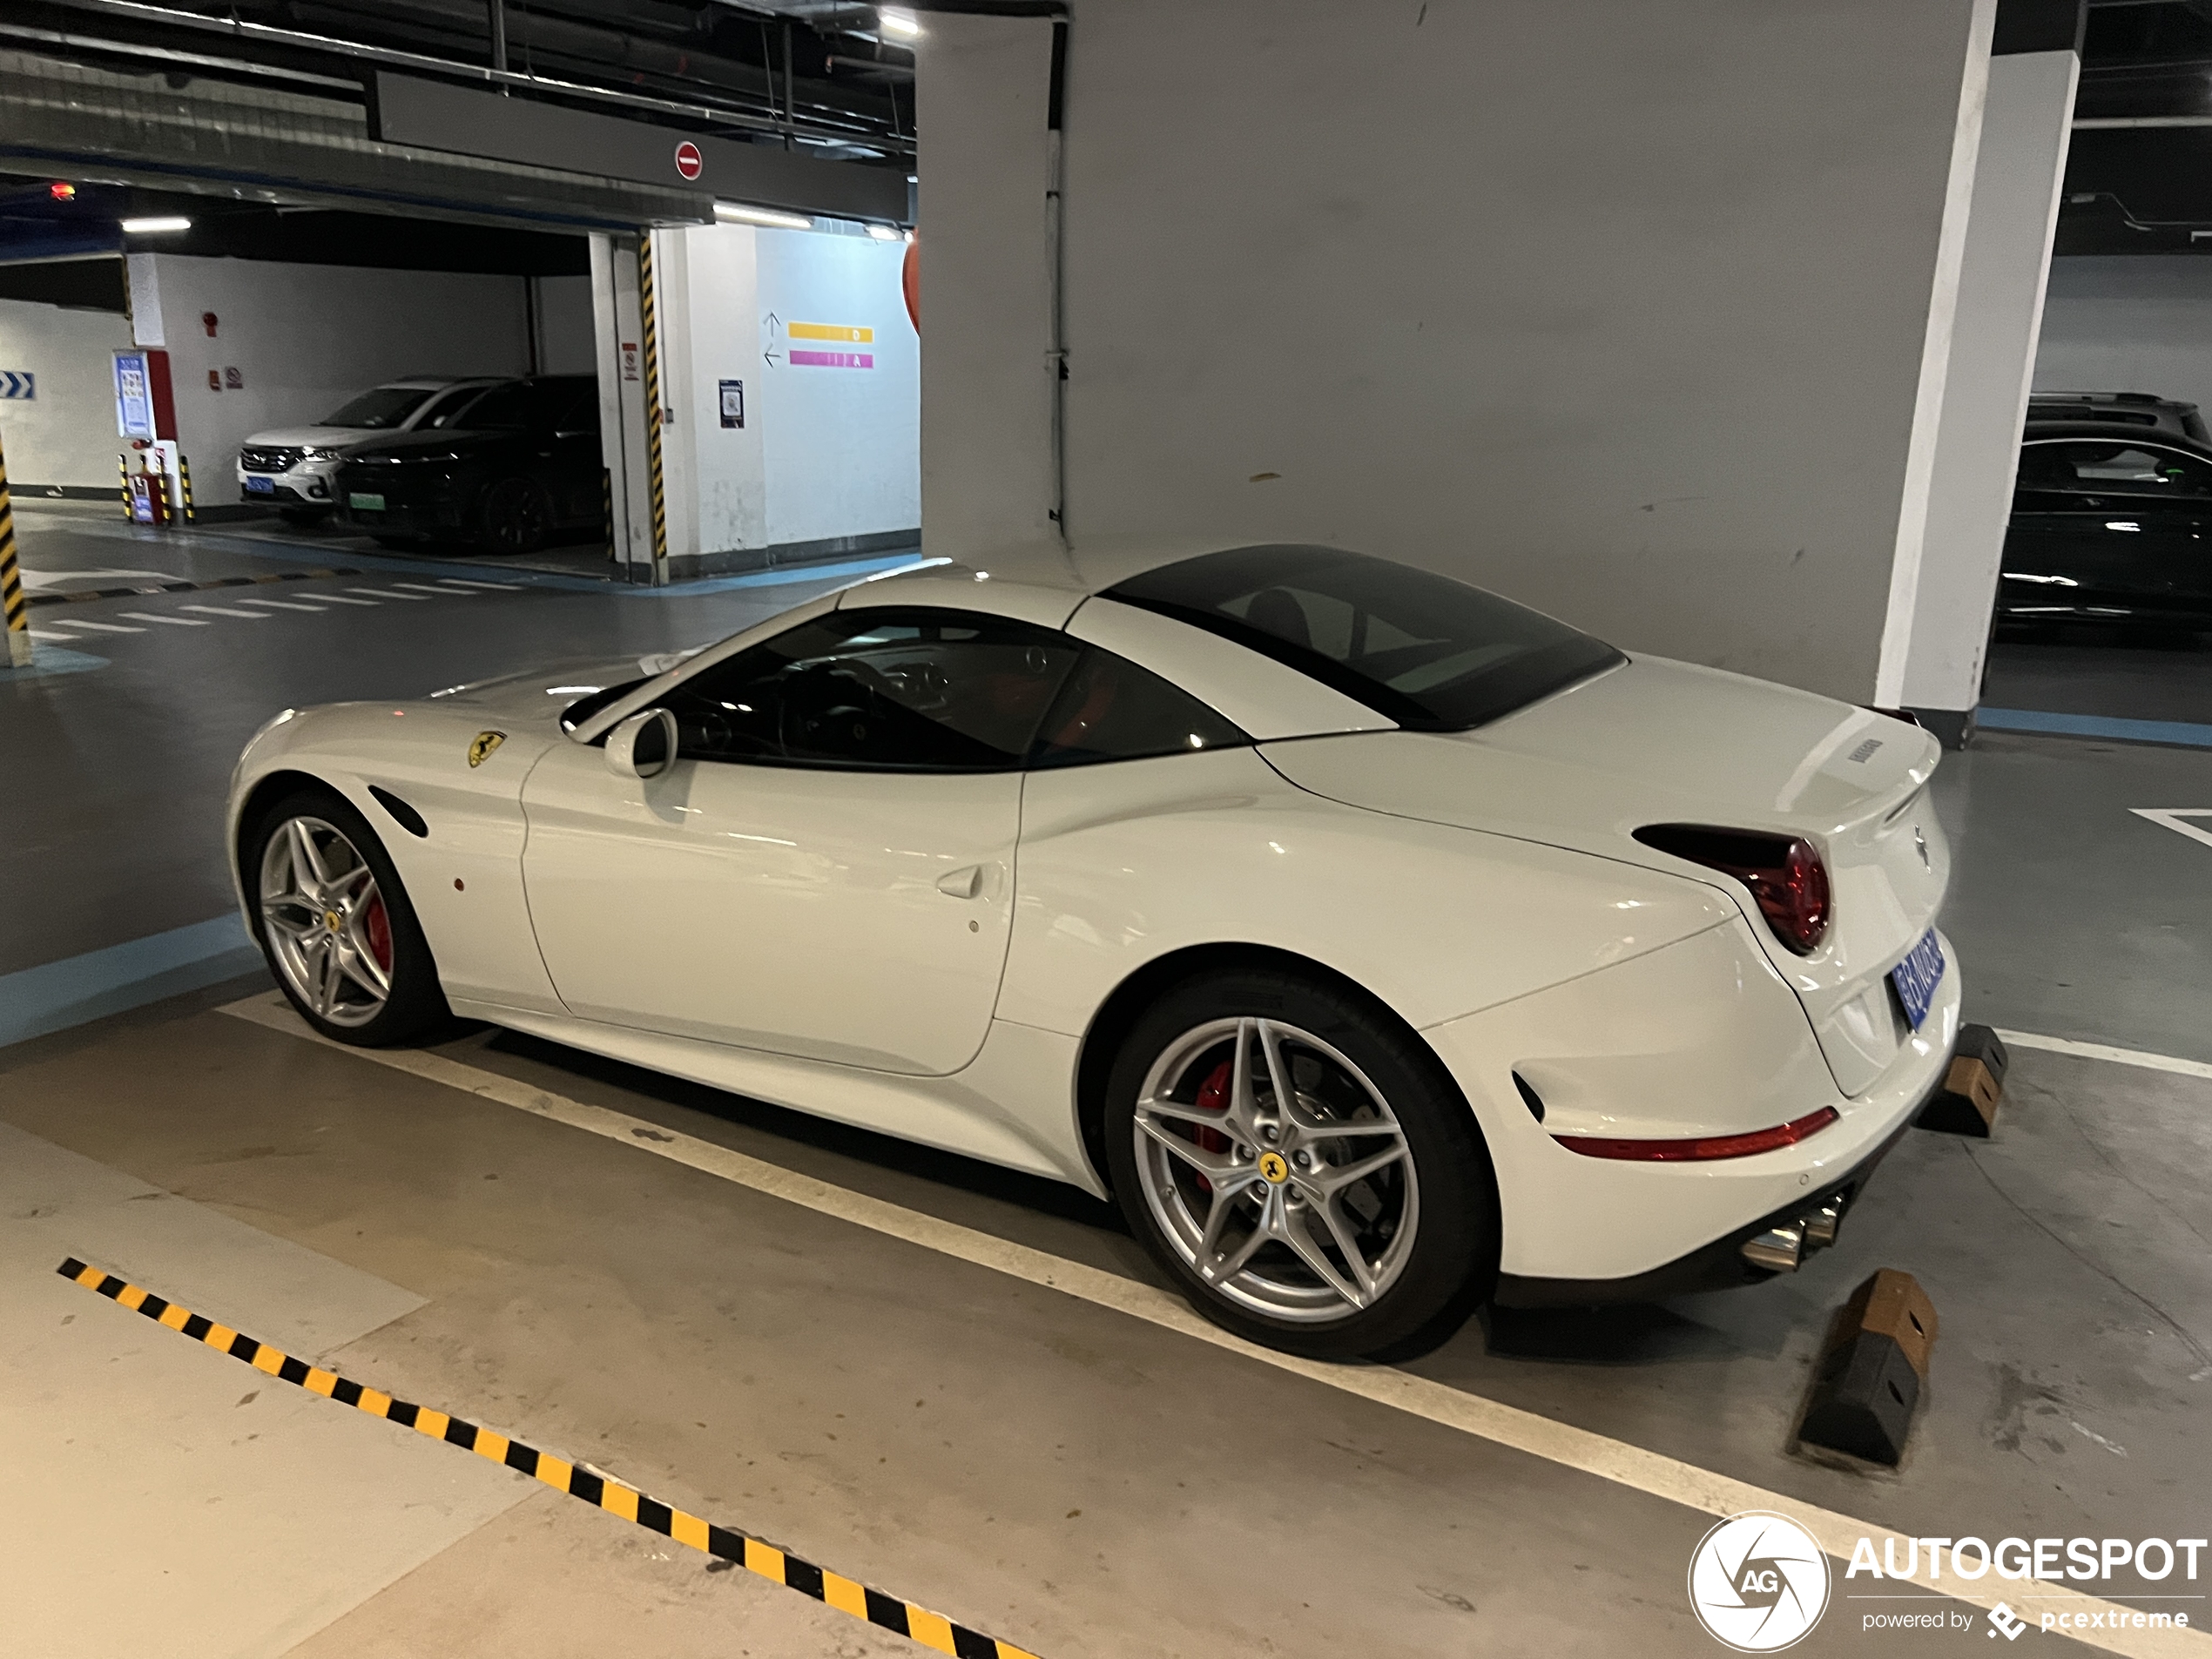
932	1630
82	595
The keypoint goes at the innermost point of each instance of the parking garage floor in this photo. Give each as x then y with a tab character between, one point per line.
959	1387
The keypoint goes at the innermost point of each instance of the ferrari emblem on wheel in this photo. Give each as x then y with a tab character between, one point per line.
1274	1167
480	750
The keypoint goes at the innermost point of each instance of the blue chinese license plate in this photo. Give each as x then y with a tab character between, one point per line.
1917	977
261	486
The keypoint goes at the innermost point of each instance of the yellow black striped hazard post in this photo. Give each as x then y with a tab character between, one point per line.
11	596
183	481
123	466
652	405
932	1630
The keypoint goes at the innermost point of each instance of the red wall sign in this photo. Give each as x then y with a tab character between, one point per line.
689	162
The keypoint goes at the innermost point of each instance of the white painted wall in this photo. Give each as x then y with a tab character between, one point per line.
1621	309
840	448
826	454
729	487
66	434
2018	180
2130	323
305	338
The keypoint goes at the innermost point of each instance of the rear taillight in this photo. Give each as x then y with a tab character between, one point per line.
1784	872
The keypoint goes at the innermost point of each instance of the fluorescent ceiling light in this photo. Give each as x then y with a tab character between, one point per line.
738	213
901	23
155	227
883	233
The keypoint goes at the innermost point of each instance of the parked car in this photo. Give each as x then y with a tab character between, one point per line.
291	466
1378	944
509	470
2109	529
2120	409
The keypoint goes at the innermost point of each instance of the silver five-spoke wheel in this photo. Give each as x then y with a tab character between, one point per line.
328	931
1277	1169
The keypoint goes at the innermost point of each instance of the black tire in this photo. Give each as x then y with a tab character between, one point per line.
414	1007
518	516
1450	1266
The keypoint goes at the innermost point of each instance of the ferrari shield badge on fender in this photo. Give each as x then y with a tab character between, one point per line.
480	750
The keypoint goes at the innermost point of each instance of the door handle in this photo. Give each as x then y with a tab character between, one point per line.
964	883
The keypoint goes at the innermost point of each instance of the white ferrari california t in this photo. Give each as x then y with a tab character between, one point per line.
1379	945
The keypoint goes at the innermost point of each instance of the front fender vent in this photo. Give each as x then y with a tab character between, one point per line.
403	814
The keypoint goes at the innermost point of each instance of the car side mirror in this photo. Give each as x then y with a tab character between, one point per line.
644	745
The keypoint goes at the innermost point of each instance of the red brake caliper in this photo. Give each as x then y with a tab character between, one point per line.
378	926
1213	1097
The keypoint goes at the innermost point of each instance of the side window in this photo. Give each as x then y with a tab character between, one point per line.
579	411
1109	709
907	690
2112	468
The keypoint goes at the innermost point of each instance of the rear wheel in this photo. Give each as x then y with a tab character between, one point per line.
1303	1167
335	924
518	516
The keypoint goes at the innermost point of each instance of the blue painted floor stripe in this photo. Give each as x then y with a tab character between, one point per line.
56	996
2097	726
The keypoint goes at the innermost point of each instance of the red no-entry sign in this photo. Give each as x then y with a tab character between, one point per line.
689	162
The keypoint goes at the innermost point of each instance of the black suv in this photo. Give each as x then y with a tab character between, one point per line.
508	473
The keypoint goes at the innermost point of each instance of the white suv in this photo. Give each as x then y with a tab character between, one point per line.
291	466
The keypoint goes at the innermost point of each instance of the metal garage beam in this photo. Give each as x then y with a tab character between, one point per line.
260	144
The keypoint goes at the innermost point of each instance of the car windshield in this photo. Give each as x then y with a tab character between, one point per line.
383	409
1432	654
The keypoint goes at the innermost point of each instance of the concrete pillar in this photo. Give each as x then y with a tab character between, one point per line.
618	346
982	87
1944	593
1626	311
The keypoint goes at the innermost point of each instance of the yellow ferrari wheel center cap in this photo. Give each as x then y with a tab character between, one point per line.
1275	1167
333	921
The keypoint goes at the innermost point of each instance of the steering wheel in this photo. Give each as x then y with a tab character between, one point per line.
837	707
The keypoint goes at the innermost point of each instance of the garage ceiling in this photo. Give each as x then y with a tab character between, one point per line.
2141	189
277	102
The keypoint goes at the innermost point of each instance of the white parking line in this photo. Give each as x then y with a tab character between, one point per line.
50	637
496	587
385	593
2099	1051
443	593
101	627
280	604
173	622
218	611
1555	1442
341	599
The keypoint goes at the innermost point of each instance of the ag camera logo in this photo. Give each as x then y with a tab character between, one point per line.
1759	1583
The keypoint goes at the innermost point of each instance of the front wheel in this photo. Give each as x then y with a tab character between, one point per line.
518	516
335	924
1303	1166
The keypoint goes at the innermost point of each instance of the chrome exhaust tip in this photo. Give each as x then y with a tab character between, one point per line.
1778	1249
1820	1226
